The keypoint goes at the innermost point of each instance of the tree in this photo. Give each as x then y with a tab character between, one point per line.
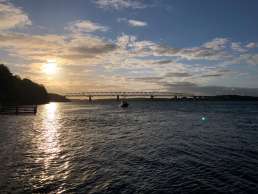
14	90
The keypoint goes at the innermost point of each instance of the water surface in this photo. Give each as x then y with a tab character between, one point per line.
151	147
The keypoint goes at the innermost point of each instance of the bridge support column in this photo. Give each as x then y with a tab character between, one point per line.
117	97
35	109
90	98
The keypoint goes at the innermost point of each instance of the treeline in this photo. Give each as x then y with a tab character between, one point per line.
57	98
227	98
219	98
14	90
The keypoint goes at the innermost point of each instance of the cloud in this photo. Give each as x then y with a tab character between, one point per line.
82	26
147	79
88	60
133	23
251	45
181	84
23	45
219	49
178	74
190	87
122	20
195	53
88	47
249	59
137	23
73	54
212	75
178	79
125	60
163	62
95	50
236	46
120	4
195	89
216	44
77	50
12	17
201	53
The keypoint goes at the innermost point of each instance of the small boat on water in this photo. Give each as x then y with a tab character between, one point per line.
124	104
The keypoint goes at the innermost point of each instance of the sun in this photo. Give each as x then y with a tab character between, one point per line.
50	67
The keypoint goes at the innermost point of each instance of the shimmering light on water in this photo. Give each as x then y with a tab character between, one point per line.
151	147
51	110
49	142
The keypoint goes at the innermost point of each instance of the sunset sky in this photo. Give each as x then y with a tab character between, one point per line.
197	46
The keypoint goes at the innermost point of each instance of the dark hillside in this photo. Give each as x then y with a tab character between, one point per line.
14	90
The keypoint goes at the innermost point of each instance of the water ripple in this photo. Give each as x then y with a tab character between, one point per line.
152	147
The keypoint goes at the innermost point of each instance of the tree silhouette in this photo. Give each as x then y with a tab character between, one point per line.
14	90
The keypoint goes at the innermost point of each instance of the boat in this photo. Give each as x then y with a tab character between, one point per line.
124	104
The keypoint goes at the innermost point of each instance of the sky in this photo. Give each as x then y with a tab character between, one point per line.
206	47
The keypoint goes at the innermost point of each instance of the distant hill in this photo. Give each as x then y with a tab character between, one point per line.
57	98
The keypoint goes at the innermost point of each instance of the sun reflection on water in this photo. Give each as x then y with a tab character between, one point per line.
51	110
50	140
51	126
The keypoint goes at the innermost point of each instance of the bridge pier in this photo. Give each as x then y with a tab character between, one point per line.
117	97
152	97
90	98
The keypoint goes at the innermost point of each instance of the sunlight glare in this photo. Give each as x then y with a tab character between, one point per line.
50	67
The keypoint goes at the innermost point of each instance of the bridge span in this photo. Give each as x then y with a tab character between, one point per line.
117	95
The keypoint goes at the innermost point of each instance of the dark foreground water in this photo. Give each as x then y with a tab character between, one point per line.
152	147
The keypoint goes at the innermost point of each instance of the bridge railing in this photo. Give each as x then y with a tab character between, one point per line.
121	93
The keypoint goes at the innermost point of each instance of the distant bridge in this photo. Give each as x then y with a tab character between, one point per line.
117	95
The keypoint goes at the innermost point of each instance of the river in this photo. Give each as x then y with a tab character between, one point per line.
150	147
